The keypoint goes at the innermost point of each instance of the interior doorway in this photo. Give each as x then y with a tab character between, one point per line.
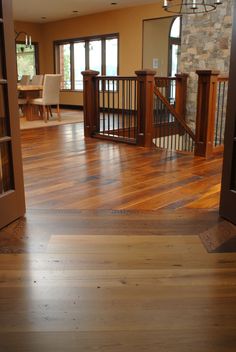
162	45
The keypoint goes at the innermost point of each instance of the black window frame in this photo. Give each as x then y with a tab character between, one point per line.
173	41
36	56
85	40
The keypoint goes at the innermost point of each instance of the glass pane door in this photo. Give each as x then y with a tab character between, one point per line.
11	178
95	55
228	189
79	64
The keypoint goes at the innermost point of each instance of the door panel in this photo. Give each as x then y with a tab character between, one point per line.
12	204
228	191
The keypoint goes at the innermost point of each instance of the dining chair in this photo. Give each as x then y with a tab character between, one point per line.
37	80
50	96
21	104
24	81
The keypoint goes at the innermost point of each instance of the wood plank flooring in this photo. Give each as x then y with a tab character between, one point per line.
115	281
64	171
110	256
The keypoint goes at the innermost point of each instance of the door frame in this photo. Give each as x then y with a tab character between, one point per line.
12	203
228	194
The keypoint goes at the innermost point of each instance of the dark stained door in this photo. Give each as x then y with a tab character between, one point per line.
12	203
228	192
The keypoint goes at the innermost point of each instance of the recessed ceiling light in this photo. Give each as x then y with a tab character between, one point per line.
43	18
75	11
113	3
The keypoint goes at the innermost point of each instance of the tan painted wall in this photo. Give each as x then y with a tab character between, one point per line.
127	22
35	30
155	43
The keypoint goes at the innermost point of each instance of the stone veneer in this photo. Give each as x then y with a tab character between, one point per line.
206	43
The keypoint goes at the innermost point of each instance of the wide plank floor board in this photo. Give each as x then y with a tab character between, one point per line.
121	250
78	173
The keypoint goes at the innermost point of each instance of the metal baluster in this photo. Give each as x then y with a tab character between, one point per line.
113	106
108	104
118	103
168	132
99	117
166	127
128	106
135	109
103	105
159	130
217	115
183	143
179	135
176	133
171	133
222	114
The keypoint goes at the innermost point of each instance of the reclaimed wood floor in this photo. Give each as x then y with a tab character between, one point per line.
110	256
65	171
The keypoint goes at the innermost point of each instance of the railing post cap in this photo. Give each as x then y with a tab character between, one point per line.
90	73
208	72
145	72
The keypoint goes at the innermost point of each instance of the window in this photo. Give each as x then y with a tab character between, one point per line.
174	46
76	55
79	60
175	28
65	65
27	60
95	55
111	57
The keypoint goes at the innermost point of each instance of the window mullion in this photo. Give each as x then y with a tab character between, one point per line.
72	66
103	57
87	55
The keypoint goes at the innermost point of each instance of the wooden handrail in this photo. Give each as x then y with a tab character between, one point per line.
223	78
174	113
116	78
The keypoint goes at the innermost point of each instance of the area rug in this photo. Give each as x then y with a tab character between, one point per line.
67	117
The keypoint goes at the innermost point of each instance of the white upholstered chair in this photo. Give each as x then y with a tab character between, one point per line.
50	96
21	104
25	79
37	80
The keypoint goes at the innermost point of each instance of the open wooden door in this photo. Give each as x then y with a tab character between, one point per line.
228	191
12	203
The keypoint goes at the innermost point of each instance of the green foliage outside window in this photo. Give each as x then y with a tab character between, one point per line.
66	67
25	60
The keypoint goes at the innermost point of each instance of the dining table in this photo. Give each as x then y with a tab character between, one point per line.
30	92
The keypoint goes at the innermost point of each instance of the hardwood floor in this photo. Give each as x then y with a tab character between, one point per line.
64	171
115	281
112	254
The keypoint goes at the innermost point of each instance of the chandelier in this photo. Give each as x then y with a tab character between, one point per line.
28	40
183	7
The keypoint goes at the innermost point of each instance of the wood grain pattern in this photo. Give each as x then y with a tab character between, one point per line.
78	173
115	281
108	257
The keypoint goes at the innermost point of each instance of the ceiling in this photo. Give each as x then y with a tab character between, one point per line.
54	10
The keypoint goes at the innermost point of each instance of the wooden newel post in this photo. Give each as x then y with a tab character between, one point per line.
145	99
91	108
181	93
206	109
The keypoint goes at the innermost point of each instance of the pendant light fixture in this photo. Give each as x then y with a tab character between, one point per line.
190	7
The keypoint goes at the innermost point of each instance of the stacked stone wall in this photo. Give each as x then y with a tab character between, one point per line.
206	43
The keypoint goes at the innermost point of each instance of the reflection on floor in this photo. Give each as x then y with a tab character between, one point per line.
110	257
79	173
